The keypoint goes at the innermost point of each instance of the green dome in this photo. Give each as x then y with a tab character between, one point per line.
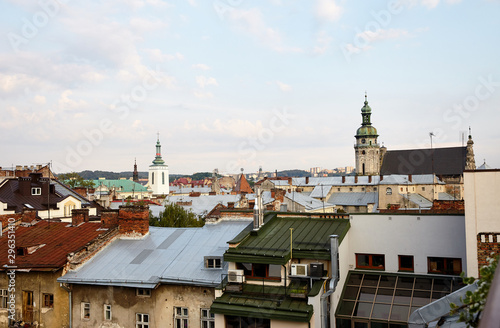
366	108
367	130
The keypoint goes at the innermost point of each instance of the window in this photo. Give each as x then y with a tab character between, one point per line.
444	265
260	271
406	263
143	292
4	297
375	189
141	320
207	319
388	191
338	189
36	191
107	312
85	311
401	189
213	262
180	317
162	177
152	178
240	322
423	188
350	189
48	300
363	189
370	261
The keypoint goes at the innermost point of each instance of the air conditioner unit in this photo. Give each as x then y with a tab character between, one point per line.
235	276
299	270
316	270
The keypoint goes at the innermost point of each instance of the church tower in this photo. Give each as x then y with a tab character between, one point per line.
470	162
158	173
366	149
135	174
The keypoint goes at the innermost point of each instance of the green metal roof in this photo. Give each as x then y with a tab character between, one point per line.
121	185
270	303
366	130
271	243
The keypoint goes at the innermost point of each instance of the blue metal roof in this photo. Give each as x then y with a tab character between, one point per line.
165	255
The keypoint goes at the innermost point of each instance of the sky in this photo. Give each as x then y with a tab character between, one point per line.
240	84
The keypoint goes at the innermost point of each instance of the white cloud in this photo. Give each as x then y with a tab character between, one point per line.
143	25
66	103
40	100
203	81
328	10
159	56
430	3
283	87
203	67
202	95
323	41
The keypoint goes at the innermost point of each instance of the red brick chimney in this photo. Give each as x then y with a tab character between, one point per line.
381	177
78	216
133	220
343	179
355	179
307	180
109	218
410	178
290	181
369	179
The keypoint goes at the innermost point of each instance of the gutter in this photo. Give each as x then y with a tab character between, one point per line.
334	253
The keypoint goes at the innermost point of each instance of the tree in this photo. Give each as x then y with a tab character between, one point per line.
175	216
74	180
473	303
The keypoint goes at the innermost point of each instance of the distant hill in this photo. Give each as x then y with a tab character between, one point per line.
95	175
294	173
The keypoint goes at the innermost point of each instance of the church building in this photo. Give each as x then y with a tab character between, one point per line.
158	173
367	149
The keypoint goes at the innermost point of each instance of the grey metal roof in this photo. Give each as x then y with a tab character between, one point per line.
65	191
187	190
203	204
403	179
308	202
165	255
445	196
266	197
320	191
353	198
418	200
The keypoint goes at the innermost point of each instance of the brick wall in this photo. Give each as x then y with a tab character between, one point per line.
133	220
448	206
487	243
79	216
109	218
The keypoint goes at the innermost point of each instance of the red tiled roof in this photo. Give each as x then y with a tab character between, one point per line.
243	186
60	239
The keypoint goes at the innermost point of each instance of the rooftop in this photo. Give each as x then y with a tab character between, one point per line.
165	255
271	243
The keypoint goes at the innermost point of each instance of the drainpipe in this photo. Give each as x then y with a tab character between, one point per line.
68	289
334	251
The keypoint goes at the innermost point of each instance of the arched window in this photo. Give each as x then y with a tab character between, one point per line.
388	191
162	177
152	178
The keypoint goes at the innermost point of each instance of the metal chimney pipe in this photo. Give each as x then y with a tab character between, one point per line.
334	251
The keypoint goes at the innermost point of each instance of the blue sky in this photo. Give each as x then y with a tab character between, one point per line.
233	84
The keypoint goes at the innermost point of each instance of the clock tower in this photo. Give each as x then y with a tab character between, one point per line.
366	149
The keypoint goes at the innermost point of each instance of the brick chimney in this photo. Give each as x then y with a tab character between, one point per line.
355	179
343	179
381	177
410	178
133	220
307	180
230	205
78	216
109	218
369	179
290	181
28	215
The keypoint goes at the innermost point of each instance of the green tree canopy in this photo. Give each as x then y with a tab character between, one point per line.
175	216
73	180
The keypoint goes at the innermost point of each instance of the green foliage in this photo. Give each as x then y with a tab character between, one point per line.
74	180
474	301
175	216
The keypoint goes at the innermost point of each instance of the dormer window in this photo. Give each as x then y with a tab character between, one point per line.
213	262
35	191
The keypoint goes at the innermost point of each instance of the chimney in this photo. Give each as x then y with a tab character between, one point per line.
273	193
307	180
381	177
230	205
35	177
369	179
133	220
343	179
24	185
251	204
290	181
28	215
355	179
79	216
109	218
410	178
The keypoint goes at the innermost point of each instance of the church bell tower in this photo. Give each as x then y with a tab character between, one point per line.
366	149
158	173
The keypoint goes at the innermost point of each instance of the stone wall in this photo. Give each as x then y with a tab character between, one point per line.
487	243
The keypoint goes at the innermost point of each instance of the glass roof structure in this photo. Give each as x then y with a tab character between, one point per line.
381	299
